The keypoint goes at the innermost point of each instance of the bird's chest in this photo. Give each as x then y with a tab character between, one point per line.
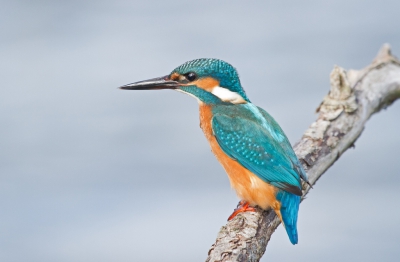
205	122
248	186
206	125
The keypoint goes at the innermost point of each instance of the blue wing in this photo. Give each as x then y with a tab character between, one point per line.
286	146
257	142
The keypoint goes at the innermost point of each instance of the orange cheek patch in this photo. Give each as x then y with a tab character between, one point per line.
207	83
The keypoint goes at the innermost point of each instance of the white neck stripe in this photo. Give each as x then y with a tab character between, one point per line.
228	96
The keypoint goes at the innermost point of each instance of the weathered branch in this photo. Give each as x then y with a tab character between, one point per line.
353	98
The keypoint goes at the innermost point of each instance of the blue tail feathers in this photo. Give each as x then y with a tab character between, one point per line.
289	210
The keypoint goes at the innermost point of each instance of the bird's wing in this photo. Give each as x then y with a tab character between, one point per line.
286	146
262	148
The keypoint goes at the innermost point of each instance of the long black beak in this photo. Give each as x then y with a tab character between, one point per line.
152	84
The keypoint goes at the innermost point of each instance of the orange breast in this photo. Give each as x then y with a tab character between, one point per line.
247	185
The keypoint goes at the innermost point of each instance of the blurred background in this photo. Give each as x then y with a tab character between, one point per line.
92	173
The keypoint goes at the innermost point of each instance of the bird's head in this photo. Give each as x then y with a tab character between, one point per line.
209	80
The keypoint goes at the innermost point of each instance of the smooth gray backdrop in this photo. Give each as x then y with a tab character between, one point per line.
92	173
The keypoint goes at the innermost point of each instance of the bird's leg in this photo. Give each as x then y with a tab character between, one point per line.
243	206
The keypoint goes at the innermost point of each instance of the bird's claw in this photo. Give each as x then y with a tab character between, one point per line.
243	206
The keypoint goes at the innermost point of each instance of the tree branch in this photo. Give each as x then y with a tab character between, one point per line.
353	98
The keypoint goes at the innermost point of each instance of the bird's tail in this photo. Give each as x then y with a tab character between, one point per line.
289	207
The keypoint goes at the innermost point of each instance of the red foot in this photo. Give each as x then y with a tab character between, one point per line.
243	206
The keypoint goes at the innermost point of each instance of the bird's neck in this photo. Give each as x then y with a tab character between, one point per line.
215	96
205	120
202	95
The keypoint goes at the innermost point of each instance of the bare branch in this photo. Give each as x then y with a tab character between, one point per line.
353	98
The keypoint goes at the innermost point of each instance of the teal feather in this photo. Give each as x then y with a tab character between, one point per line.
286	146
289	210
256	143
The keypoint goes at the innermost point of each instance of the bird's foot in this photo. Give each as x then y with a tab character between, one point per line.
243	206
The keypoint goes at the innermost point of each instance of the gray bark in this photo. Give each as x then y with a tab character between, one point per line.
353	98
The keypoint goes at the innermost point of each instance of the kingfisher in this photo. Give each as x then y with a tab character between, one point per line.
253	149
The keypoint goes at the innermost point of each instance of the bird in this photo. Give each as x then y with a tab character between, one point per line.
250	145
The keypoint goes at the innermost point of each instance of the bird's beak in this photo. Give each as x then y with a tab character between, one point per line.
152	84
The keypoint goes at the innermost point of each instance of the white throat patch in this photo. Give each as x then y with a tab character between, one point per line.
181	91
228	96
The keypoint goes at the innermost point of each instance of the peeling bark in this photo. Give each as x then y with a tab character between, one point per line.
354	96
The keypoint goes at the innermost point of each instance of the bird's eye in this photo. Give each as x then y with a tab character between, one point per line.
190	76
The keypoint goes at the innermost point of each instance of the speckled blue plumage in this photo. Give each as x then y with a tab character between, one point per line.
257	143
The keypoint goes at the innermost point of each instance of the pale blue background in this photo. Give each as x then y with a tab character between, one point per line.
92	173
